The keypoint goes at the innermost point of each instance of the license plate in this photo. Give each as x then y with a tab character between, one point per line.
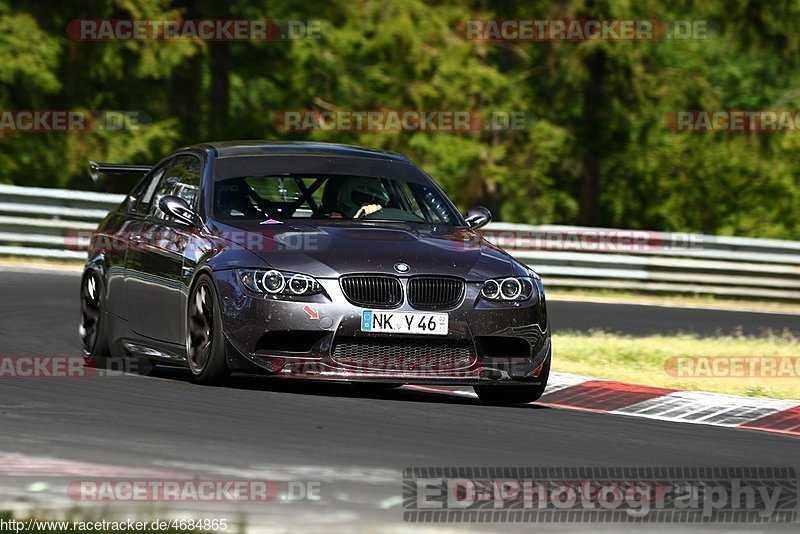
404	323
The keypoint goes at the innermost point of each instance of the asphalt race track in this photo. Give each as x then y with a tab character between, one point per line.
354	442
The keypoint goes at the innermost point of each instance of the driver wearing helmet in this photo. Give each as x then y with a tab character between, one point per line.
354	196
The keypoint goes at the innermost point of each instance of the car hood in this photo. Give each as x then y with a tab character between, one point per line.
331	250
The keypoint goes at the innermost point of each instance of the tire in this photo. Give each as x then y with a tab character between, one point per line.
205	347
91	327
500	395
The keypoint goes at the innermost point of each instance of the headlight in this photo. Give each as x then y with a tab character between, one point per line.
513	288
270	281
276	282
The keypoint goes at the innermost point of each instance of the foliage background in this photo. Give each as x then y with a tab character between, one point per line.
597	151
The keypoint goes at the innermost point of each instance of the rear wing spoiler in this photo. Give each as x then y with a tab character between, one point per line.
96	169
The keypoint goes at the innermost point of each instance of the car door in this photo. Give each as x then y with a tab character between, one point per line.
154	262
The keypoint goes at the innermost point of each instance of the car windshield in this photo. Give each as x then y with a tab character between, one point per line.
330	197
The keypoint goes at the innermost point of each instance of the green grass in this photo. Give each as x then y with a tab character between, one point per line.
673	299
650	360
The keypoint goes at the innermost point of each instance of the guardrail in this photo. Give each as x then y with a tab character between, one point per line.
36	222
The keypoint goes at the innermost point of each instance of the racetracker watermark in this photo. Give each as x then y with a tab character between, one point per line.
193	29
594	240
181	241
369	366
119	525
620	495
583	30
63	120
62	367
733	366
399	121
193	490
737	120
577	239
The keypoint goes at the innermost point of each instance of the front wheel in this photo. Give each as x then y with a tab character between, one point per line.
205	348
92	328
516	394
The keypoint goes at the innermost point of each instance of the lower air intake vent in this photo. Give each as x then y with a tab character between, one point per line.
397	355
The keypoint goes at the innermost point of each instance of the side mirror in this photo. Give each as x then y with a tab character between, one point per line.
478	217
178	209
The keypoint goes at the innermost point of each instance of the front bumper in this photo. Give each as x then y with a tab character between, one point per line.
320	337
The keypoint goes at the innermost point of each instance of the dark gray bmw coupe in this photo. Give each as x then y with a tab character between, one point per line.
313	261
